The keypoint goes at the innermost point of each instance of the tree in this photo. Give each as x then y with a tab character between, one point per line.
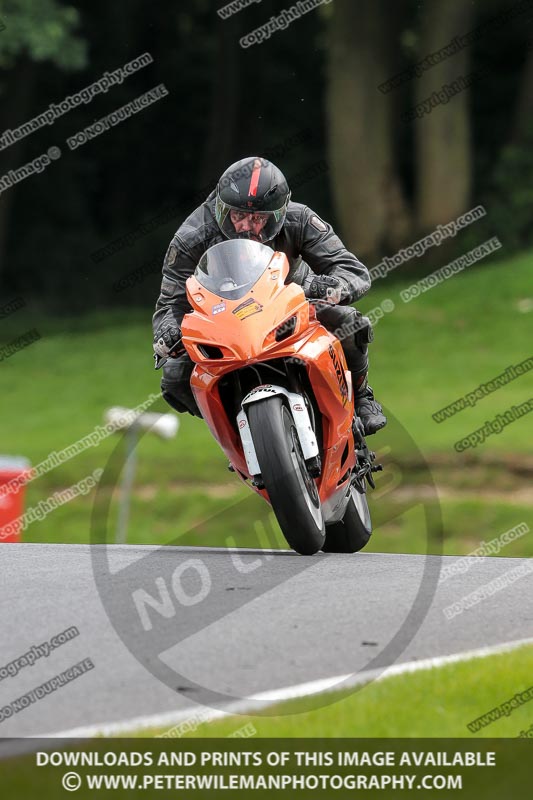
35	31
442	137
366	188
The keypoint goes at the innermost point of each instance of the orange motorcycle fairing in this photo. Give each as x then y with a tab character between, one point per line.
271	324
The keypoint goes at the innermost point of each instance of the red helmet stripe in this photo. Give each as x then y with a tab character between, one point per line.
254	180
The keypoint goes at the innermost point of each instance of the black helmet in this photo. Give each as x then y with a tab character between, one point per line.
252	185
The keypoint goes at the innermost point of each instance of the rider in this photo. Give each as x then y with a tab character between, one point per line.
252	201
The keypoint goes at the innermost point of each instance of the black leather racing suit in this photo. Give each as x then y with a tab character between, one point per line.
311	246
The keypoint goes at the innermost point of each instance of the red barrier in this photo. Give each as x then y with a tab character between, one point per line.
12	500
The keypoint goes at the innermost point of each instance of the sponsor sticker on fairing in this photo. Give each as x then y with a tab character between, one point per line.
247	308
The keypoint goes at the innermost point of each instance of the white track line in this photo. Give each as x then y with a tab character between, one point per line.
264	699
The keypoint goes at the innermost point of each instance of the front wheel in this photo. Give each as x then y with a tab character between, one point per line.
353	531
291	490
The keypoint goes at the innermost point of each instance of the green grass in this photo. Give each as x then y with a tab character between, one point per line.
441	702
431	351
426	354
233	517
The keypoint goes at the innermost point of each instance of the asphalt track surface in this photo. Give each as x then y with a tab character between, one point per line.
269	620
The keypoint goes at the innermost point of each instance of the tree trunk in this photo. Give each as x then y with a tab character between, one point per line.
367	195
442	136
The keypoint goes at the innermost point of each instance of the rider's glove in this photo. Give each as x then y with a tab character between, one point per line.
323	287
167	341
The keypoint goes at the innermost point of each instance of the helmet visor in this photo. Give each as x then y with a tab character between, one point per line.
259	226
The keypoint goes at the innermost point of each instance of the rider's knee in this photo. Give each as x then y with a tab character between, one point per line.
348	324
364	333
180	401
176	387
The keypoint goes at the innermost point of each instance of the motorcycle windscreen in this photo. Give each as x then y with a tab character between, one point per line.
231	268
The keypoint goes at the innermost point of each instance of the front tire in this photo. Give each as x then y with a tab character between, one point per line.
291	490
352	533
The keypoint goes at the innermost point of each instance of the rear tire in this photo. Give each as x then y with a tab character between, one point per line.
352	533
291	490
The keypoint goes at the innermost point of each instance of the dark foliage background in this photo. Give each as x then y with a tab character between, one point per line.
226	102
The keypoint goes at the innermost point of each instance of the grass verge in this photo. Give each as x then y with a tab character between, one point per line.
436	703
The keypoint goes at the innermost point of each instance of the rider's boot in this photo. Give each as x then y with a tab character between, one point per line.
367	408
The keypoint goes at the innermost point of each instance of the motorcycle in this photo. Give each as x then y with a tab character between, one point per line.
273	387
